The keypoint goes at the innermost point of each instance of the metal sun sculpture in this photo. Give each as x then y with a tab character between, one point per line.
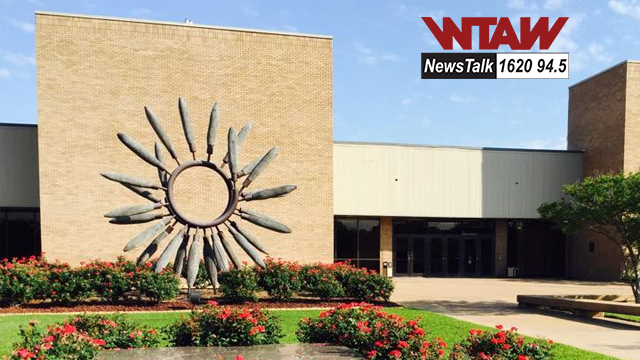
212	245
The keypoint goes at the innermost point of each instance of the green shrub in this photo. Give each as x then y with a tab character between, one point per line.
57	342
223	326
159	287
116	331
501	344
372	332
70	285
81	338
27	279
239	285
280	279
320	280
24	279
364	285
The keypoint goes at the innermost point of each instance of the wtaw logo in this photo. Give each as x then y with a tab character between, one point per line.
504	33
485	65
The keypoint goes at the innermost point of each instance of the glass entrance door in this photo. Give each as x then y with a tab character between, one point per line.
469	256
409	255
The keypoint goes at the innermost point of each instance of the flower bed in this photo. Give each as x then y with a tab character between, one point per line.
379	335
501	345
372	332
81	338
283	280
33	278
224	326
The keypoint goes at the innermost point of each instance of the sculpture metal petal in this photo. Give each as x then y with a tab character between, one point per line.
218	252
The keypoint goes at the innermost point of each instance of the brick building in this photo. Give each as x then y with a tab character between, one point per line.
409	210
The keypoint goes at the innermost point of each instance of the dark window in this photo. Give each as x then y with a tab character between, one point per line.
19	232
443	227
358	241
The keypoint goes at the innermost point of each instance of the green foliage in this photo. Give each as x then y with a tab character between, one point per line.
501	344
608	205
320	280
239	284
81	338
27	279
371	331
364	285
116	331
280	279
223	326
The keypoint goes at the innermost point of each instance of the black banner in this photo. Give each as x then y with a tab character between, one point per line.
459	66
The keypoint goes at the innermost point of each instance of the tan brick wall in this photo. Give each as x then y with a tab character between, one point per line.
95	76
386	243
632	119
604	120
597	120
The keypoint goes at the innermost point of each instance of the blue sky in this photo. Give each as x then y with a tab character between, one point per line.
378	93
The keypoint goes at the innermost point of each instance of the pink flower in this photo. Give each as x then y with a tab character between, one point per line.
239	357
372	353
25	354
213	303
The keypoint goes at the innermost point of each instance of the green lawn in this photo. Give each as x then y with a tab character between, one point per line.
623	317
449	329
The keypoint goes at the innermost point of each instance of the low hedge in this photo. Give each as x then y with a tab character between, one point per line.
34	278
372	332
81	338
224	326
283	280
378	335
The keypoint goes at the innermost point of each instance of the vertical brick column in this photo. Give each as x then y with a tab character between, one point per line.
500	259
386	242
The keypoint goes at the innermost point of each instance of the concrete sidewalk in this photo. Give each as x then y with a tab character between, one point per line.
493	301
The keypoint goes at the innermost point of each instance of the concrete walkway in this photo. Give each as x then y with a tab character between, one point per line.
493	301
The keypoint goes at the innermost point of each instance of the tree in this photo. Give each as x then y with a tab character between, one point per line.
608	205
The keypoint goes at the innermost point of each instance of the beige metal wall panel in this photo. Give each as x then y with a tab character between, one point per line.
19	166
420	181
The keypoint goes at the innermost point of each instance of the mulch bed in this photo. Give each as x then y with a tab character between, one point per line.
139	305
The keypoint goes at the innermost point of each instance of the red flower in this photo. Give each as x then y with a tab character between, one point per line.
499	327
48	338
372	353
378	344
239	357
25	354
506	346
403	344
440	352
395	353
213	303
522	357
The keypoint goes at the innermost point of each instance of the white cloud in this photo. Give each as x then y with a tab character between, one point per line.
22	25
553	4
368	56
18	58
406	101
522	5
597	52
458	98
4	73
558	144
629	8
